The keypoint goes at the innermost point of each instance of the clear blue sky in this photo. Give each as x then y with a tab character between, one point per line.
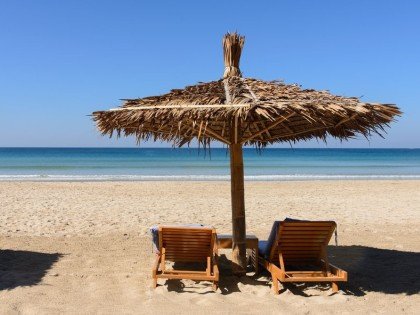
61	60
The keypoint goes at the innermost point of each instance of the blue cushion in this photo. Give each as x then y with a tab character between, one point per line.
154	231
295	220
264	247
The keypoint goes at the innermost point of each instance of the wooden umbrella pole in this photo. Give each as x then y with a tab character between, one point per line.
232	48
238	203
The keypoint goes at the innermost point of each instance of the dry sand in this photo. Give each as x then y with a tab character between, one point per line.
83	247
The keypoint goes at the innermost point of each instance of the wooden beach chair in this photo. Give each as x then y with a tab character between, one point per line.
187	245
298	253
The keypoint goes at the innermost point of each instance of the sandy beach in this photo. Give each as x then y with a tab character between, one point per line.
83	247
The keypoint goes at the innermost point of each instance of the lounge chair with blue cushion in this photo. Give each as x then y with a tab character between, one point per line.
296	251
185	244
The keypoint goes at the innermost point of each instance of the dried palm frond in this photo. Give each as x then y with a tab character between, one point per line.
267	112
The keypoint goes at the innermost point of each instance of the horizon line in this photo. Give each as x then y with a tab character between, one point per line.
201	148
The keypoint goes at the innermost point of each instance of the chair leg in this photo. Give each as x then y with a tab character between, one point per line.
154	285
334	286
275	285
255	252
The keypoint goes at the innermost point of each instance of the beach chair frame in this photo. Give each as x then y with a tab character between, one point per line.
187	244
302	243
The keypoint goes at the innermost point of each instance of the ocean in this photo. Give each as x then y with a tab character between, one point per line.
131	164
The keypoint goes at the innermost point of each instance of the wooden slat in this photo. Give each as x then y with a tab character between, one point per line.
305	273
303	232
187	237
310	224
188	250
187	259
174	234
184	232
177	258
191	245
186	254
296	233
305	225
187	230
301	237
175	271
200	257
197	237
306	228
186	242
176	240
313	279
186	276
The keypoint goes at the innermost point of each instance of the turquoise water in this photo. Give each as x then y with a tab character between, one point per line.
191	164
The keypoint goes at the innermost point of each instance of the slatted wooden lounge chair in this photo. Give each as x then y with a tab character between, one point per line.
187	245
299	254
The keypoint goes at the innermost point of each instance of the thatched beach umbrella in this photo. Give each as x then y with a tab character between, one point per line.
241	111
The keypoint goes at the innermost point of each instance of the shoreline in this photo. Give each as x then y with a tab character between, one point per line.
200	178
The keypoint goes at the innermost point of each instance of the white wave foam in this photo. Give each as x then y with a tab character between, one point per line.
292	177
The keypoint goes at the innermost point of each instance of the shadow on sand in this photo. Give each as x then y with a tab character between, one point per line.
228	283
24	268
377	270
369	270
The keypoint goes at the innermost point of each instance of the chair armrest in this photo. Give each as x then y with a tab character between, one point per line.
215	261
156	265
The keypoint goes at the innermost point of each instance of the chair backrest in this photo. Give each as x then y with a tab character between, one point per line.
302	242
187	244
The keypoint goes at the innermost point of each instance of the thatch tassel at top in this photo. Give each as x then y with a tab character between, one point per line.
232	49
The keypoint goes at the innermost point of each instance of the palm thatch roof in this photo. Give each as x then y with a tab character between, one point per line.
267	112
